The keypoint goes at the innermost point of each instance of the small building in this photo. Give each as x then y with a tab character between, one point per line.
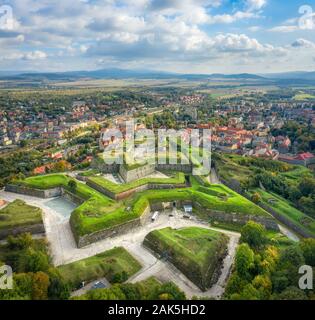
188	208
303	159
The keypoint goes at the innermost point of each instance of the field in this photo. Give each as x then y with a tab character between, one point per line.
303	97
283	207
110	264
19	214
197	252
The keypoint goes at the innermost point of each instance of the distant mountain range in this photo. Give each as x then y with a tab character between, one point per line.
148	74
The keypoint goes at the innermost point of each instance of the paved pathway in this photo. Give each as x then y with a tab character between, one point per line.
64	249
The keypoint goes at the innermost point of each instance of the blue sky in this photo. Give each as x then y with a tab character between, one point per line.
197	36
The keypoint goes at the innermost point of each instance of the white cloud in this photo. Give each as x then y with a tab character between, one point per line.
253	5
284	29
34	55
147	32
303	43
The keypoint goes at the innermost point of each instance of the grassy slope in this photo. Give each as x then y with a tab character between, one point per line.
105	264
303	96
229	168
18	214
283	207
99	212
96	213
195	251
194	243
179	178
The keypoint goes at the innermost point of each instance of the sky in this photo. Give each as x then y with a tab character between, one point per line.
184	36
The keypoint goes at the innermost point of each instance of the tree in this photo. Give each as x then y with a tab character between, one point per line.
294	194
120	277
307	186
291	293
254	235
131	291
170	291
40	286
279	281
23	143
256	197
248	293
113	293
58	289
235	284
72	185
270	258
263	284
291	259
35	261
20	242
62	166
308	248
291	256
244	260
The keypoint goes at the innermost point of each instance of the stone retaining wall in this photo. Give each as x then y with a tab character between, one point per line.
196	273
237	188
287	222
87	239
72	197
115	168
237	218
186	168
33	229
49	193
135	174
128	193
105	168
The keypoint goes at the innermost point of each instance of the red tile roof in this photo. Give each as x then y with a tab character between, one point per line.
305	156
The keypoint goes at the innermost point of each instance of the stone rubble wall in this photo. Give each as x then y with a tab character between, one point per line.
128	193
44	194
136	174
33	229
83	241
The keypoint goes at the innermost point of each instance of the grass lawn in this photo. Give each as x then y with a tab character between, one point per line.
304	96
197	252
231	167
96	213
89	173
178	178
108	264
279	240
221	198
99	212
284	208
232	203
18	214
